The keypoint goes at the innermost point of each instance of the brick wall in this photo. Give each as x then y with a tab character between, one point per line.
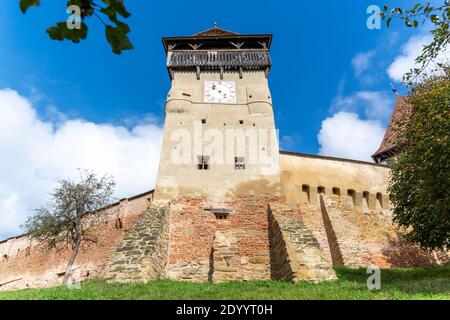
202	246
25	263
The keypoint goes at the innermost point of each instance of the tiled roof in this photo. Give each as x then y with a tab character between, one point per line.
215	32
401	109
315	156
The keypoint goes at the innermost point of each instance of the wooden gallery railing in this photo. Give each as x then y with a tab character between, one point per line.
219	60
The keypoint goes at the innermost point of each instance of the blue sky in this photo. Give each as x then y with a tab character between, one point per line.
330	85
87	80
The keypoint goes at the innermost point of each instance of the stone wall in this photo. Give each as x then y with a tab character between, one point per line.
304	177
345	205
333	242
142	253
280	266
311	217
336	212
365	236
203	247
25	263
295	252
226	261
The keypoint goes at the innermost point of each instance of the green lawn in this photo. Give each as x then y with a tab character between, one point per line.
410	283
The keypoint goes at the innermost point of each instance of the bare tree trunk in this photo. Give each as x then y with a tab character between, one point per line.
71	261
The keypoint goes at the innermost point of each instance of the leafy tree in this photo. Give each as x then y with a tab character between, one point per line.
420	178
417	15
116	30
72	213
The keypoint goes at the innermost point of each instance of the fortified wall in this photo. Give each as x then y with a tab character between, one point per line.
286	216
335	212
251	238
26	264
346	206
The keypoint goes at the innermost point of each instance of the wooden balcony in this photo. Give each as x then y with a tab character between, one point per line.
258	59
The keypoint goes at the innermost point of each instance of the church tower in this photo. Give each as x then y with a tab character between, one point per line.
219	211
219	135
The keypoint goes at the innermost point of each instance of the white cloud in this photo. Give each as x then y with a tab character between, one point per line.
362	61
34	152
376	105
410	51
346	135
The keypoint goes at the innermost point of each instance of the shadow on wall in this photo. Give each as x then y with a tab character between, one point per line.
401	253
335	251
211	265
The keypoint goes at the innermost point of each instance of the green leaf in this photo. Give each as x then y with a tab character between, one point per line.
434	18
118	39
109	11
118	7
388	21
25	4
416	6
123	26
408	22
61	32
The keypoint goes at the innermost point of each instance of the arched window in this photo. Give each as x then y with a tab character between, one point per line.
321	190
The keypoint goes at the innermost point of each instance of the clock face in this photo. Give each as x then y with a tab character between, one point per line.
220	92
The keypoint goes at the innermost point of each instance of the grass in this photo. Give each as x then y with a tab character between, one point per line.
408	283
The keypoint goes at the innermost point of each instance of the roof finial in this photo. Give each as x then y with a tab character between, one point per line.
215	25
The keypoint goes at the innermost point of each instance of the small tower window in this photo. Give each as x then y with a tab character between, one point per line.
203	162
239	163
241	121
203	121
